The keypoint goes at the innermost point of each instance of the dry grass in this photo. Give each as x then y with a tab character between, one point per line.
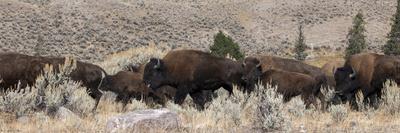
256	112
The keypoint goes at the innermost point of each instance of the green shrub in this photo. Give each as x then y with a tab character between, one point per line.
224	45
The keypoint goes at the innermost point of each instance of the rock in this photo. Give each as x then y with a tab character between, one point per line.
65	114
144	120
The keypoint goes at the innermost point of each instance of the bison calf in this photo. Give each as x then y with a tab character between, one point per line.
291	84
127	85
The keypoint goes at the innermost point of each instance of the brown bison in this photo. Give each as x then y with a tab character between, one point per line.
127	85
273	62
366	72
329	69
25	69
254	67
192	71
291	84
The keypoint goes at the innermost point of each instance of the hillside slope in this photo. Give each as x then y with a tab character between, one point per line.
90	29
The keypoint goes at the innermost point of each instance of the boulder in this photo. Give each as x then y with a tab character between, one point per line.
144	120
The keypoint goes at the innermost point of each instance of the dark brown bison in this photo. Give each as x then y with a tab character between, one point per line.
329	69
291	84
273	62
192	71
366	72
25	69
127	85
254	67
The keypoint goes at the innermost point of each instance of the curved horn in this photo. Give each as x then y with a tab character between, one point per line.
352	75
258	65
158	65
334	69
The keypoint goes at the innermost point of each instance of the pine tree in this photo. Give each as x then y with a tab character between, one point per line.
392	46
356	38
224	45
300	46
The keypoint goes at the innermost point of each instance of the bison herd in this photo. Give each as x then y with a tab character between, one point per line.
196	73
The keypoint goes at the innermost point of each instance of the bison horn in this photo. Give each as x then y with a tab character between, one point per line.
258	65
334	70
353	75
158	65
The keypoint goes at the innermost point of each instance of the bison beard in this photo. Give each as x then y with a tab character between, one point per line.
25	69
191	72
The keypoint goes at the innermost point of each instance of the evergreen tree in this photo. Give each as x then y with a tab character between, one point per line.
356	38
300	46
224	45
392	46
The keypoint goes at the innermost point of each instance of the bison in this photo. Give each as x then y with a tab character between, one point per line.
128	84
25	69
272	62
366	72
329	69
291	84
254	67
191	71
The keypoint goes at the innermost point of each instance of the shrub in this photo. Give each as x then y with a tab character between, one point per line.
270	109
133	57
392	46
51	91
391	98
19	101
224	45
356	38
296	107
338	113
300	46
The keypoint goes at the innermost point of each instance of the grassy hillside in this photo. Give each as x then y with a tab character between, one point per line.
90	29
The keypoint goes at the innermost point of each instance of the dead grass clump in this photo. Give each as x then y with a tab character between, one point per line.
391	98
338	113
271	113
132	57
296	107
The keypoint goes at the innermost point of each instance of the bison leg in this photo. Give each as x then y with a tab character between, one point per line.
308	100
96	95
229	88
200	98
123	98
181	94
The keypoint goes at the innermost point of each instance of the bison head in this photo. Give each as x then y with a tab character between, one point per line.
154	73
346	81
252	72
